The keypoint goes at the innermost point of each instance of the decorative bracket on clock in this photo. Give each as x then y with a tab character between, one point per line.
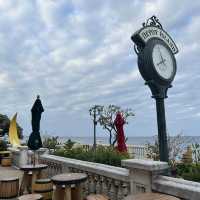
158	91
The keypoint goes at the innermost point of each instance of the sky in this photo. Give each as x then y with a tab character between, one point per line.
77	53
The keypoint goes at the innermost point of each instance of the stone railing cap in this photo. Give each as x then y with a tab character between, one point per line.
23	147
117	173
147	165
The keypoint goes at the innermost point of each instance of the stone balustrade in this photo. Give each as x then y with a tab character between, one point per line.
137	151
183	189
137	176
109	180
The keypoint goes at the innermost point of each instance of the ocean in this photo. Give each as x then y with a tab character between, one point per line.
187	140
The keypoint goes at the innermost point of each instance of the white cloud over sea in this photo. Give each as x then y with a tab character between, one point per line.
77	53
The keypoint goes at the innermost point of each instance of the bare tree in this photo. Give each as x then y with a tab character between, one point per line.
175	145
107	117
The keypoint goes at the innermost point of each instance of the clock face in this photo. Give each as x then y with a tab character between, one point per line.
163	61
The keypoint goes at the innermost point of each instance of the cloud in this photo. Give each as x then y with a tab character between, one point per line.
76	54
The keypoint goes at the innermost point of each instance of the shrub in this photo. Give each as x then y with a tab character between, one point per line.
104	155
69	144
189	172
51	143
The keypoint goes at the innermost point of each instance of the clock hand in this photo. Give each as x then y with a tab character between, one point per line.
160	54
161	62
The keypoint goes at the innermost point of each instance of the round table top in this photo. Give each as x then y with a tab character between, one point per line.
69	178
7	179
31	197
33	167
151	196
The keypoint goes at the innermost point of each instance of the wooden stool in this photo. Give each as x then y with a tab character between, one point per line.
44	187
9	187
96	197
151	196
31	197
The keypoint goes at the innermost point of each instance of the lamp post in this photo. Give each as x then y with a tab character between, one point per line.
94	113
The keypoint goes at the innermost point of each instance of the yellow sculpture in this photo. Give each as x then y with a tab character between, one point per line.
13	136
187	156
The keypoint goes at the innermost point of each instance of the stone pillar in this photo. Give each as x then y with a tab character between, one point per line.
40	152
23	157
142	172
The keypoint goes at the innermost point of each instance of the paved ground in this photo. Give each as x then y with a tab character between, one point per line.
10	172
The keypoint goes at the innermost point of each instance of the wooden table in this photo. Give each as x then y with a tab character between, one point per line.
63	183
151	196
27	184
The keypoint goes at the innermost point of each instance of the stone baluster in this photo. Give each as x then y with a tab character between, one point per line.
96	180
101	179
54	169
98	184
86	184
70	169
106	185
91	183
126	189
119	190
112	189
74	170
49	169
84	189
61	168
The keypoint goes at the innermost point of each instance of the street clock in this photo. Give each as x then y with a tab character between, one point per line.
157	64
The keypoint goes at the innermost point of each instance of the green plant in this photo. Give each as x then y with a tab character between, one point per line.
51	143
3	145
152	150
69	144
104	155
189	171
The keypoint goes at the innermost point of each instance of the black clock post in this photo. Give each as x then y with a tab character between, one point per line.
157	65
159	93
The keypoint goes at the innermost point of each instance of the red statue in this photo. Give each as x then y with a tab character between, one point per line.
119	123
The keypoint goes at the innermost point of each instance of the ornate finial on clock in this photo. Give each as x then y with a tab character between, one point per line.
153	21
